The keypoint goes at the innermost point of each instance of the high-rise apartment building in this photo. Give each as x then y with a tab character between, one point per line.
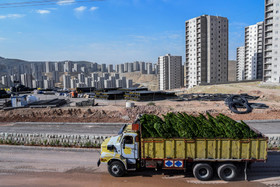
81	78
149	68
206	50
66	81
130	67
67	66
26	80
103	68
240	57
48	67
110	68
232	66
254	51
170	68
73	83
6	80
142	67
57	67
121	68
136	66
272	42
76	68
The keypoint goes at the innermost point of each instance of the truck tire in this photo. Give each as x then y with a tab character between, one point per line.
116	169
227	172
203	172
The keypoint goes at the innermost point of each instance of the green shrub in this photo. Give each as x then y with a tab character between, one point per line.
151	104
186	126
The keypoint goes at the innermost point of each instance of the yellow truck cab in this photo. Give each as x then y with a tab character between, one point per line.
121	152
128	151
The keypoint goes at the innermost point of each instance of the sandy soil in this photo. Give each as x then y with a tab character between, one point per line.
115	111
118	113
81	179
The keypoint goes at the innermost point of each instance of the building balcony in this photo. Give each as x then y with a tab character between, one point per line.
269	15
267	67
268	2
269	9
267	74
269	29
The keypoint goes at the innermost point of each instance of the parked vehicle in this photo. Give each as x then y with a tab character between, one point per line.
129	151
4	94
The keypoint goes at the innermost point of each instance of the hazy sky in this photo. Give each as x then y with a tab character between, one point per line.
115	31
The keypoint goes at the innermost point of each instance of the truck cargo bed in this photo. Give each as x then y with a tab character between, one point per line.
204	149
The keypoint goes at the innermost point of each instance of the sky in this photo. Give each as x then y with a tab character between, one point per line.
115	31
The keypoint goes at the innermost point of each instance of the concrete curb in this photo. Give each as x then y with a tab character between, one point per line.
50	148
63	123
263	121
63	140
77	140
273	140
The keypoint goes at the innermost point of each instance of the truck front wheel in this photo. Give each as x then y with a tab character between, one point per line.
116	169
203	172
227	172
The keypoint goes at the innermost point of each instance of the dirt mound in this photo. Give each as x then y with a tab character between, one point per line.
121	114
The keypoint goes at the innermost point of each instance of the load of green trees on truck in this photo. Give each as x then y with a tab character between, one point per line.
186	126
203	144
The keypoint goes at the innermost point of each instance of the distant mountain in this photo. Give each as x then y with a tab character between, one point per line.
12	62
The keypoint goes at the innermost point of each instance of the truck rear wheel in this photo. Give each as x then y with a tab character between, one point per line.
203	172
227	172
116	169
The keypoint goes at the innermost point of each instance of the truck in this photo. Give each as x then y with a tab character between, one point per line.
226	157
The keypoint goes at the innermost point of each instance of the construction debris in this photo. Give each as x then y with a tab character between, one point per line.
240	105
48	103
111	95
212	97
5	103
148	95
89	102
4	94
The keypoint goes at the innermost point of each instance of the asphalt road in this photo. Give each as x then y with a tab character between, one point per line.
61	128
16	161
266	127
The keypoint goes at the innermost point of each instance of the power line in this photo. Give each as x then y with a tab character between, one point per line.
41	2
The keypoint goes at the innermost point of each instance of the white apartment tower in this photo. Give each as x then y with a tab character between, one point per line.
254	51
48	67
66	82
240	57
206	50
26	80
272	42
170	68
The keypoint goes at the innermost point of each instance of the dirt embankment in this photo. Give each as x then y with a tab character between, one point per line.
112	113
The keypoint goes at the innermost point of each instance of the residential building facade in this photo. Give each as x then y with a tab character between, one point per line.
170	68
254	35
206	50
272	42
240	57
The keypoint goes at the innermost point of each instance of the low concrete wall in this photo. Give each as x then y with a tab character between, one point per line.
69	140
273	140
65	140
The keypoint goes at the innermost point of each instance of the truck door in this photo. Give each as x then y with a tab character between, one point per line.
128	147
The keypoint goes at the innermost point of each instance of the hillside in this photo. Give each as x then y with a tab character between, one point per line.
265	91
149	81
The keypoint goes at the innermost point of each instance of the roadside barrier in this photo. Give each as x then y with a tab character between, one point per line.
75	140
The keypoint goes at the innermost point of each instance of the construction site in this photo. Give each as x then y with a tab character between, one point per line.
123	105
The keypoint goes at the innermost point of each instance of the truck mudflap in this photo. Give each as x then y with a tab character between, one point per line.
98	163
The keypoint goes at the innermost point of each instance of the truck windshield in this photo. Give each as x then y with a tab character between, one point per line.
122	129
